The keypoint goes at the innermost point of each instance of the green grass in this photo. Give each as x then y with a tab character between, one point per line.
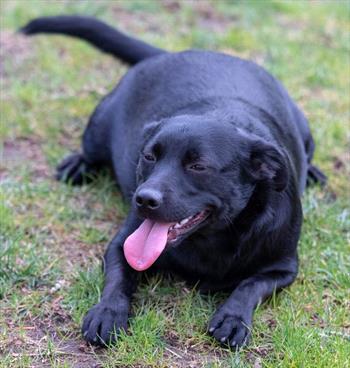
53	236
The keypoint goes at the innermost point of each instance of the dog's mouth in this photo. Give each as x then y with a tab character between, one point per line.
189	224
143	247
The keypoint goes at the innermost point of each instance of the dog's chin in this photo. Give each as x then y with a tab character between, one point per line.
184	228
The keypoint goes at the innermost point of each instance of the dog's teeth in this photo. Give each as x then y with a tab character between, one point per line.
177	226
184	221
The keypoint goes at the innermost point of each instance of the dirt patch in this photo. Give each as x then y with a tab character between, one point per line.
191	355
74	253
341	163
21	151
14	47
136	22
206	17
47	339
211	20
35	343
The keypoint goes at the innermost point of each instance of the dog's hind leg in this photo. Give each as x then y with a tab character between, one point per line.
75	169
314	174
81	167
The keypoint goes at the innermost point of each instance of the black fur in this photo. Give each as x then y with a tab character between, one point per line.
187	131
97	33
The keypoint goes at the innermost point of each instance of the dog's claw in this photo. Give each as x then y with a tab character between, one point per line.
229	329
102	323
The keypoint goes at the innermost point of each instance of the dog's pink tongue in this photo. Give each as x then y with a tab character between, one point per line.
144	245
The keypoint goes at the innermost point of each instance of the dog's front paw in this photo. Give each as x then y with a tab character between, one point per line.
103	322
230	328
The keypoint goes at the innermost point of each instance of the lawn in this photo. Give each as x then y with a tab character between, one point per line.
53	235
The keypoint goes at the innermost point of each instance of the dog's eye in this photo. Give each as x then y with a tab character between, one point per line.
149	157
197	167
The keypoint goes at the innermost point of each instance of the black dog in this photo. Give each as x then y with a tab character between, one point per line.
214	156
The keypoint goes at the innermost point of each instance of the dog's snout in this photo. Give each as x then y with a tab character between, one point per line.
150	199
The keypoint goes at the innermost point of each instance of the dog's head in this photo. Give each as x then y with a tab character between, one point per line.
195	173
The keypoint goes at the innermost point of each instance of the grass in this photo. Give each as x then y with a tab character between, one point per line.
53	235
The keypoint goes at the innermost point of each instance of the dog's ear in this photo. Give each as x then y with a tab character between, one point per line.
266	163
150	129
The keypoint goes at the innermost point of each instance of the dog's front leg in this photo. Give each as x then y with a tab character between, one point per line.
103	322
231	323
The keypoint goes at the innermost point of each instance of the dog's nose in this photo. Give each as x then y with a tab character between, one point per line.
148	198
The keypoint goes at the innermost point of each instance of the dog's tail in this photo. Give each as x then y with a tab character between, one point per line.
99	34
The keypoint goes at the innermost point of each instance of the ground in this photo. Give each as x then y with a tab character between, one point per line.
53	235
